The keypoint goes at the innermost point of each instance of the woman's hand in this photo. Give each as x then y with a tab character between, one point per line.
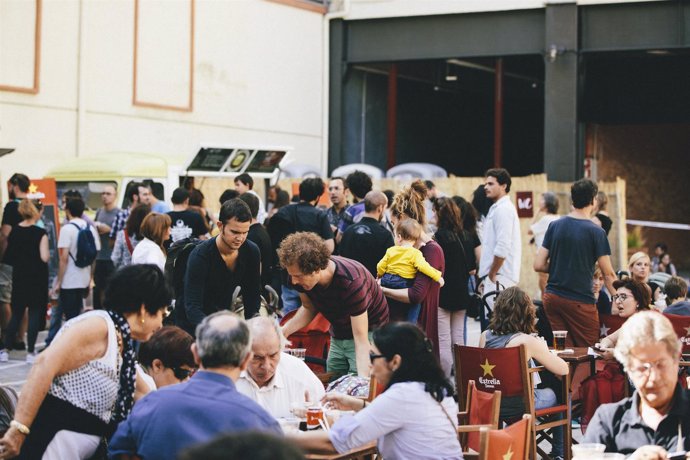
341	401
11	443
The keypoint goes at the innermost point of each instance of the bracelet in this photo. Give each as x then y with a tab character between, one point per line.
23	429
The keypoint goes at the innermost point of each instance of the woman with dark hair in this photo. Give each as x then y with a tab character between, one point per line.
28	254
155	229
512	324
82	386
458	250
409	204
631	296
482	204
128	238
197	204
416	417
165	359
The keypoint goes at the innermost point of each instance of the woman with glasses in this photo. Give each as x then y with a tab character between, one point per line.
631	296
82	386
654	422
165	359
416	417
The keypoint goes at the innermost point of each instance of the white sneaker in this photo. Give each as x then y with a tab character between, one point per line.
31	357
4	356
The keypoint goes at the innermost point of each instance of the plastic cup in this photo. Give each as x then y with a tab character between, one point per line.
587	451
559	340
289	425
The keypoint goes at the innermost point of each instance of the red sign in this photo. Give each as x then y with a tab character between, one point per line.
525	204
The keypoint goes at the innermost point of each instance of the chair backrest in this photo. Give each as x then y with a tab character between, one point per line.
608	324
512	442
483	408
681	324
314	337
492	369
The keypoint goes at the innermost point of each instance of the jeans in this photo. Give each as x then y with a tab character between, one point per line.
392	281
70	303
290	298
543	398
36	315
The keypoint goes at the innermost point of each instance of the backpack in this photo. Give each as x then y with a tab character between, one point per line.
176	263
606	386
86	247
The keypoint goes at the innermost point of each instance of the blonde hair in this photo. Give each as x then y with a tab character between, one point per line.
409	202
155	226
28	210
642	329
408	229
637	257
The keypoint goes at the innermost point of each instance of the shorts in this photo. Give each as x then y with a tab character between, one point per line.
5	283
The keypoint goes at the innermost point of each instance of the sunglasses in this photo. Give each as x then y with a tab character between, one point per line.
373	356
183	374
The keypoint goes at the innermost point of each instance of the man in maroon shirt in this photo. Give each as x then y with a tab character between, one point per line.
343	291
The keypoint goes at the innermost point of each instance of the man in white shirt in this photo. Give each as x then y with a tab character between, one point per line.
72	283
275	379
501	244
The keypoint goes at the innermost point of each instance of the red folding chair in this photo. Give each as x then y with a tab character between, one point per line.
315	338
681	324
482	410
609	324
512	442
506	369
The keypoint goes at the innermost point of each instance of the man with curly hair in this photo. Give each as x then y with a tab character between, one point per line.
343	291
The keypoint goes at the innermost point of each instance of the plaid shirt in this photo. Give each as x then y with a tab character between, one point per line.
119	223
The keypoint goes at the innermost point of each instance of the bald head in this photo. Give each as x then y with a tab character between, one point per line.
222	340
373	200
267	344
265	330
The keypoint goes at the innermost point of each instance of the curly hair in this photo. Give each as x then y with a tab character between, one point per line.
305	249
448	215
359	184
640	291
513	312
409	202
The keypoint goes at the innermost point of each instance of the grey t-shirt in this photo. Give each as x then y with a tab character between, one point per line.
574	246
106	217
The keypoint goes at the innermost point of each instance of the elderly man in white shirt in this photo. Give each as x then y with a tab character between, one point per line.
502	243
275	379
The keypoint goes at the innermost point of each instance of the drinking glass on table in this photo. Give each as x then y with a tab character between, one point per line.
559	340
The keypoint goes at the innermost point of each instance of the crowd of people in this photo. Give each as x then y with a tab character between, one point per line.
393	272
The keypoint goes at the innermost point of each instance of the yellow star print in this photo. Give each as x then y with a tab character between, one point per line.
487	368
508	455
33	188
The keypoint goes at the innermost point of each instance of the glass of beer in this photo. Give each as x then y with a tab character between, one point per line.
559	340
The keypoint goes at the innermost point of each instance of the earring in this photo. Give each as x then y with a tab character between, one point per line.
143	320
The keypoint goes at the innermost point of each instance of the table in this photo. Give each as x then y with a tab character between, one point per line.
360	452
577	357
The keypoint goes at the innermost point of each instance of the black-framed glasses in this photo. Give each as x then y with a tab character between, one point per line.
373	356
183	374
619	297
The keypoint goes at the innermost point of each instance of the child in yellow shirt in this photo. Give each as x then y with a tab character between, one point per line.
400	265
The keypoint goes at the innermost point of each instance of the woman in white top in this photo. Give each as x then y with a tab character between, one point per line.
156	230
82	385
416	417
547	213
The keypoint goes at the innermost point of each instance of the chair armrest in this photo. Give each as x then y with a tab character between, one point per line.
532	370
471	428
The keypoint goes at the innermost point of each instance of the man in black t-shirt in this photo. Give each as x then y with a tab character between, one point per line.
299	217
185	223
259	236
367	240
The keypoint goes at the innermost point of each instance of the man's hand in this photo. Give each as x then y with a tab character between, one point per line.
649	453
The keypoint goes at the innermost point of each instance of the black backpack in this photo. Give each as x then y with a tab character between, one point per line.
176	264
86	247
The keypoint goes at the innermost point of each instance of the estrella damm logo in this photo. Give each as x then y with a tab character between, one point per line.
488	371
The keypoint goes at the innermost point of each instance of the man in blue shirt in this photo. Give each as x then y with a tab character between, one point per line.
676	290
571	247
175	417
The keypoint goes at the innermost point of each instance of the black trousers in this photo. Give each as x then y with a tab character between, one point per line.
101	274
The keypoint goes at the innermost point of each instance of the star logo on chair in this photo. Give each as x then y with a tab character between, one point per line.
509	454
487	368
687	331
603	330
33	188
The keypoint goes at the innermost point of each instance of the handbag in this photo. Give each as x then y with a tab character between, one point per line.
606	386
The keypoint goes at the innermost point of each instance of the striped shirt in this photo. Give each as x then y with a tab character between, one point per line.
352	292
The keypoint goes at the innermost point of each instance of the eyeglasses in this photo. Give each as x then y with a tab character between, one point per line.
619	297
373	356
645	369
183	374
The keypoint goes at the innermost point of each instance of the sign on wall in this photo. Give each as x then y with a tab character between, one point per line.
525	204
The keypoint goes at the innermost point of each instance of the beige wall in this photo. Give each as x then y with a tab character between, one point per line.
257	79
